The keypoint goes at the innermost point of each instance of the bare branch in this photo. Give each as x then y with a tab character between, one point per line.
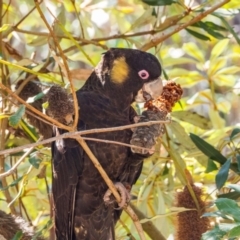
13	169
155	42
85	132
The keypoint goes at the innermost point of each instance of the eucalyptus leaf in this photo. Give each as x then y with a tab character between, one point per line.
211	166
215	234
234	232
208	149
194	51
18	236
193	118
227	25
15	182
230	195
219	48
222	174
159	2
35	161
15	119
198	35
228	207
235	187
234	132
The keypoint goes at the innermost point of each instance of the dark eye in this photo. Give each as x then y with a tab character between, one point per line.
143	74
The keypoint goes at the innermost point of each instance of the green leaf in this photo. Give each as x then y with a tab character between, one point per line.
238	162
222	175
193	118
35	98
194	51
159	2
219	48
18	236
228	207
34	160
215	65
29	130
43	230
230	195
234	232
208	149
234	132
61	17
5	27
180	133
215	26
209	28
235	187
15	118
12	184
215	214
38	41
211	166
215	234
228	26
198	35
216	35
217	121
229	70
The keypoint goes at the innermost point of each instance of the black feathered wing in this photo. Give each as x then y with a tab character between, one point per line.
67	167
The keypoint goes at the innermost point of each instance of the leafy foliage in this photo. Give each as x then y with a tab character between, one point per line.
204	134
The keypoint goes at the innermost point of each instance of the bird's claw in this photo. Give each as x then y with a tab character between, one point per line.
124	192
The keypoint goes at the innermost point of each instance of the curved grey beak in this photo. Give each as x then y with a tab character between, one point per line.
153	88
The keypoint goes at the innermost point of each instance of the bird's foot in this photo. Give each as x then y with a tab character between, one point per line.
124	191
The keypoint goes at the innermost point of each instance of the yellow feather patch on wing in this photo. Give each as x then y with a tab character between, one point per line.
119	71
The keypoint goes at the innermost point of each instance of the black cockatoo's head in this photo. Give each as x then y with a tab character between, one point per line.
127	73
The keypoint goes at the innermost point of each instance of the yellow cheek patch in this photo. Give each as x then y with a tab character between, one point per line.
119	71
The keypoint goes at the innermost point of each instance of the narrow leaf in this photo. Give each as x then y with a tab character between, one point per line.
234	232
234	132
219	48
159	2
194	51
208	149
235	187
35	161
12	184
238	162
215	234
211	166
18	236
222	175
230	195
229	207
193	118
198	35
15	118
228	26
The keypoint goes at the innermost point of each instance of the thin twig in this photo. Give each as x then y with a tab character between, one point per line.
115	142
85	132
155	42
34	109
67	72
13	169
21	20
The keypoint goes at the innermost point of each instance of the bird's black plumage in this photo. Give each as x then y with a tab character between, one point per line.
104	101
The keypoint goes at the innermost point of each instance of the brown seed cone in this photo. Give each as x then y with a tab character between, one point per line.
145	136
190	224
31	89
10	225
60	105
